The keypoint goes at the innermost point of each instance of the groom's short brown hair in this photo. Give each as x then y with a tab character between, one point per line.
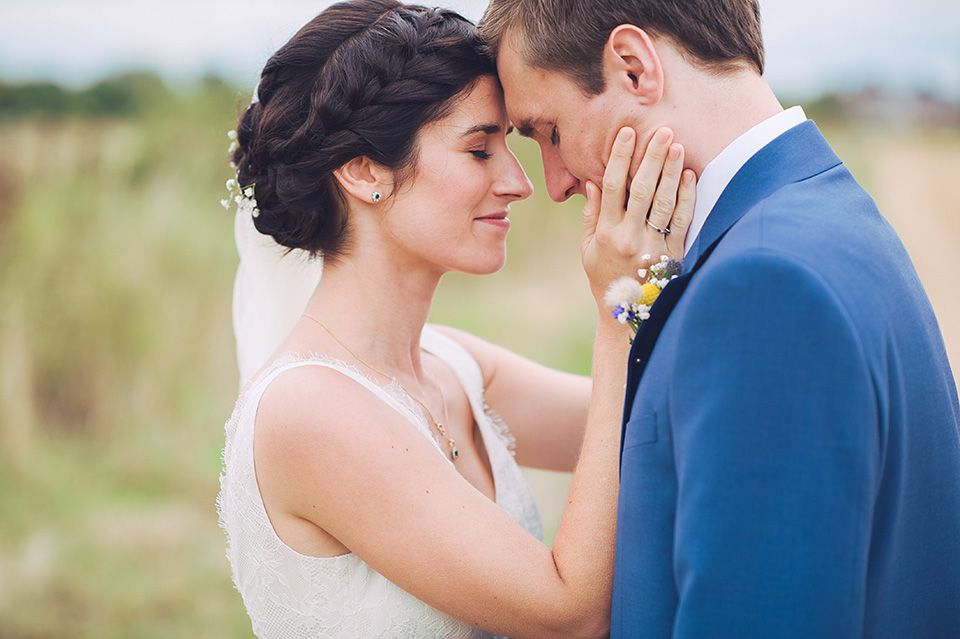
569	35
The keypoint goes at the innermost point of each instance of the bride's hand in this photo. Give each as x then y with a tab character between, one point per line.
620	228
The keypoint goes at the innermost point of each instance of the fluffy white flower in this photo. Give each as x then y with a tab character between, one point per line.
626	295
232	135
623	292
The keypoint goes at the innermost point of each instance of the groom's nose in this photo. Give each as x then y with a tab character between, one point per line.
561	183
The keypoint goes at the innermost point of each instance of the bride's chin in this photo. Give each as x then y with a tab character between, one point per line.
487	267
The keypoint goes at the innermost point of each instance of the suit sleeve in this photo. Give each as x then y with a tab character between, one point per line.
775	422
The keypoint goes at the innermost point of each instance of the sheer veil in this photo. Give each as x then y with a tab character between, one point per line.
270	291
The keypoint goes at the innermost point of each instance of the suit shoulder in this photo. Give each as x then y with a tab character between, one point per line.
763	272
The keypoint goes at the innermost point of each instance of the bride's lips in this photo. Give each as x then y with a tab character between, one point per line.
495	219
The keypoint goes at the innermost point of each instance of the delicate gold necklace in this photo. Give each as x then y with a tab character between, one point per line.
454	451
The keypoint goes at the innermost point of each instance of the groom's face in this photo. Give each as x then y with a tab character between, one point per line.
575	132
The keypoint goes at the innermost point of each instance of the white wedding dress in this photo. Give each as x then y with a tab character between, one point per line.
288	594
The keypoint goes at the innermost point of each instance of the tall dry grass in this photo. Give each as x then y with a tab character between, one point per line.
115	374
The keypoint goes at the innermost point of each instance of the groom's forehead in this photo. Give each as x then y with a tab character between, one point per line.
523	92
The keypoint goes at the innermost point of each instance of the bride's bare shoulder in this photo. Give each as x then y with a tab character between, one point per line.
312	397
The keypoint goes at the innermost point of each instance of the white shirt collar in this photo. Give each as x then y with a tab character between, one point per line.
718	173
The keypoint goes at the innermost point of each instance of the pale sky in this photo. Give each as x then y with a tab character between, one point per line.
812	45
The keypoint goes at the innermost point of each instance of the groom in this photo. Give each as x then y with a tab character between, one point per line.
790	461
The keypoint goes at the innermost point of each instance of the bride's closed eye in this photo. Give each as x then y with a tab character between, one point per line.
482	135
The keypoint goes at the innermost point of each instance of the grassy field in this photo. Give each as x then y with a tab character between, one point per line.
116	352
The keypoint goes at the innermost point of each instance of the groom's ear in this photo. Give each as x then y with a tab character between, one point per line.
631	63
361	178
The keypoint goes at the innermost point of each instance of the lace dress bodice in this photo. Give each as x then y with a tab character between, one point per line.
288	594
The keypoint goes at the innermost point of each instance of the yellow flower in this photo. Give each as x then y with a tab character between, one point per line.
650	293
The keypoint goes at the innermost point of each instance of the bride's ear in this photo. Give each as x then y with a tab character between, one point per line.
631	63
363	179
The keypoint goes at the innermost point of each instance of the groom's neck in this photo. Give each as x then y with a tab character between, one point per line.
712	111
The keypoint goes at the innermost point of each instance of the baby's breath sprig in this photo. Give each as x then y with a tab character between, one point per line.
242	197
632	298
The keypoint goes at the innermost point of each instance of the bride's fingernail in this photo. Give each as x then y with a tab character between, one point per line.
625	134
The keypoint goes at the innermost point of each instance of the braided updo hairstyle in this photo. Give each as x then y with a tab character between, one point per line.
360	79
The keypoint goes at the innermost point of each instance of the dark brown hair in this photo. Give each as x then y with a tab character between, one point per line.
569	35
360	79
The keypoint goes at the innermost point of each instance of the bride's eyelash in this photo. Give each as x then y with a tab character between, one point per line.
480	154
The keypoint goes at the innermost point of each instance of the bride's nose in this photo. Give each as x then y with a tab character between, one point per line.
513	182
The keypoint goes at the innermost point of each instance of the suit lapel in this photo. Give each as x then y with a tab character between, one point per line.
650	329
798	154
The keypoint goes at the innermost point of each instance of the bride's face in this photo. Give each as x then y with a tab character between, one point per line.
453	211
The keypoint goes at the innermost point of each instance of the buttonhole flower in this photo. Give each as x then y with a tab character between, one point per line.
631	298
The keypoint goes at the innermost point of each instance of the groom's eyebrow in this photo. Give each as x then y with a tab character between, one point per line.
526	129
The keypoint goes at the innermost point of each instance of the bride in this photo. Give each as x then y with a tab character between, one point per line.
370	486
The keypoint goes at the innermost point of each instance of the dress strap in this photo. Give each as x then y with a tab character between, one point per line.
391	394
457	357
468	372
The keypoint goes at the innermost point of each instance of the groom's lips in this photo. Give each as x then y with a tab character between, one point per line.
496	219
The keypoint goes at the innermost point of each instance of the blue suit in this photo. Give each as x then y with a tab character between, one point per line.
790	462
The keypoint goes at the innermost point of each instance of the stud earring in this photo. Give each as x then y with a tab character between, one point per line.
376	196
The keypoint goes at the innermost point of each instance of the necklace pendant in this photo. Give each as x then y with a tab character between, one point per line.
454	451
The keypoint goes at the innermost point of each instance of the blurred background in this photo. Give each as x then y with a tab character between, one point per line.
117	368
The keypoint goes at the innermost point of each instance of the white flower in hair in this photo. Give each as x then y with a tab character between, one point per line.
243	197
